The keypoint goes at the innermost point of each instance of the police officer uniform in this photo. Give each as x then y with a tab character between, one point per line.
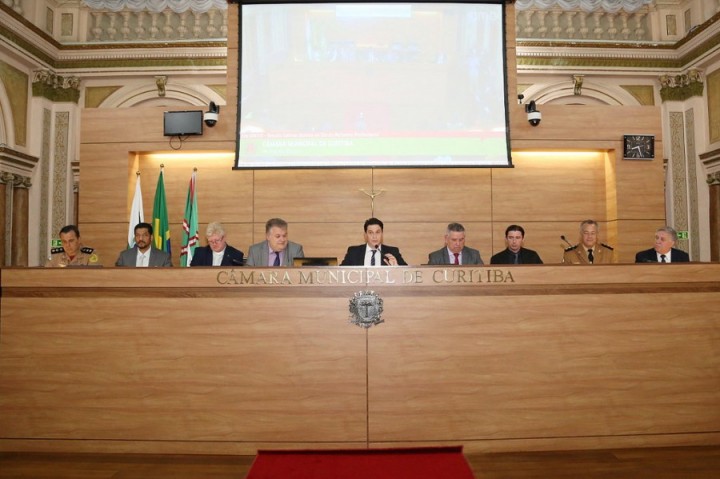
86	256
602	254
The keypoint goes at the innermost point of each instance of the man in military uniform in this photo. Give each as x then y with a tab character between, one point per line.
589	250
72	252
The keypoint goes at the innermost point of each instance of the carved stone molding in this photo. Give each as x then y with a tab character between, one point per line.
711	162
20	181
54	87
681	87
713	179
6	178
17	162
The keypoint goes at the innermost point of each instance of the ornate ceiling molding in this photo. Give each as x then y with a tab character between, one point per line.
177	6
610	6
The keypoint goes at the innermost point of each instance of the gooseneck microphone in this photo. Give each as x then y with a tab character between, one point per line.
562	237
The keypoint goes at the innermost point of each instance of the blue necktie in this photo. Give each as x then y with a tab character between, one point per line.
372	258
277	258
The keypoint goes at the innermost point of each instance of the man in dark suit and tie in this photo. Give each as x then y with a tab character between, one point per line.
455	251
144	254
373	252
515	253
217	252
664	250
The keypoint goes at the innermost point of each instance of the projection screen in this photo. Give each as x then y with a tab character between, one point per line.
384	84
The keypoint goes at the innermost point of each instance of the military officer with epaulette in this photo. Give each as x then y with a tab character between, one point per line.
589	250
72	252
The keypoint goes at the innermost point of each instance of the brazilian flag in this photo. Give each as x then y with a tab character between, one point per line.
160	224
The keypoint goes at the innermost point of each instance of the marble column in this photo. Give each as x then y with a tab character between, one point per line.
20	211
5	178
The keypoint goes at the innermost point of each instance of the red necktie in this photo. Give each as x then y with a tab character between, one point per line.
457	258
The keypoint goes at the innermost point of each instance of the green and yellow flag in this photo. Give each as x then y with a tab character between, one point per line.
161	226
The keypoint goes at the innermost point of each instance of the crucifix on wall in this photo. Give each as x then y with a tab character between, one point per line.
372	194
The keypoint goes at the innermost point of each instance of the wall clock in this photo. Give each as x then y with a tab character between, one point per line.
639	147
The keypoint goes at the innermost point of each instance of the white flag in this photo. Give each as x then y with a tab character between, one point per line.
136	213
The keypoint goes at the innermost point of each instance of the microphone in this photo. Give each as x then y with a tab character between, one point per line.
562	237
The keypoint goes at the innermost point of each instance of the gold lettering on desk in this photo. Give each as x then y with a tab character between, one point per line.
457	276
463	276
344	276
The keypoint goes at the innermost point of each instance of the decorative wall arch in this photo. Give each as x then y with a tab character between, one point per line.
7	125
592	94
175	95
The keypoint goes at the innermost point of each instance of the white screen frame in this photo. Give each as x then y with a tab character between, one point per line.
318	147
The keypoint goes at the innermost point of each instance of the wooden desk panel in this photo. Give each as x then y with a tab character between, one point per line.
214	360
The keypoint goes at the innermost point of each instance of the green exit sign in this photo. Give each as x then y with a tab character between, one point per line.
55	243
683	235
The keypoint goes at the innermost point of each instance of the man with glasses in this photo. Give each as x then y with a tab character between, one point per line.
217	252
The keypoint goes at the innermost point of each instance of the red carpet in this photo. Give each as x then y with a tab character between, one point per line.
411	463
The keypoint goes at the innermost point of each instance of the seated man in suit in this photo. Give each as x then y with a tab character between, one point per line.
664	250
72	252
455	251
276	250
515	253
589	250
373	252
217	252
144	254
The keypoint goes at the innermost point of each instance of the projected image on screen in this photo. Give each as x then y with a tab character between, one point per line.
372	84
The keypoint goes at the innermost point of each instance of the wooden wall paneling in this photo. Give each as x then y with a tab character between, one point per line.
640	187
433	195
561	186
320	195
108	239
104	188
591	123
224	194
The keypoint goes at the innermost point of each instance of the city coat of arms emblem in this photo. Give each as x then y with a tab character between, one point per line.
366	308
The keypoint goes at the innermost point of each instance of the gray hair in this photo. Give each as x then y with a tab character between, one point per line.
590	222
455	228
275	222
669	231
214	228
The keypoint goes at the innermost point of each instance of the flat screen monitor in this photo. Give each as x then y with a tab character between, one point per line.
183	123
372	84
317	261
